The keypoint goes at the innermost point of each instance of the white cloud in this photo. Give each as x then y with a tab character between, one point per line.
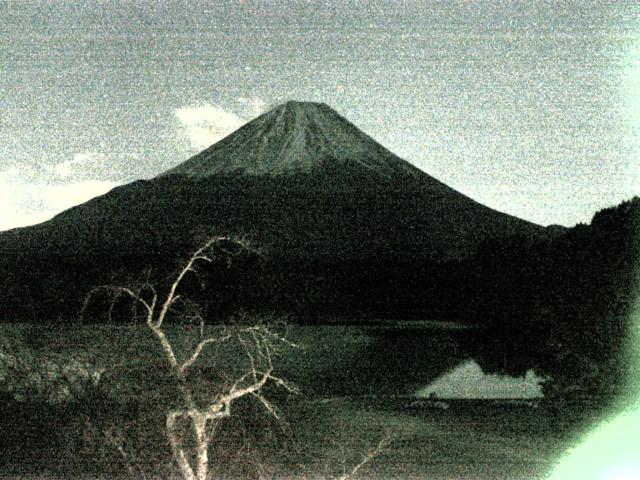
68	168
205	124
61	197
468	380
253	105
25	202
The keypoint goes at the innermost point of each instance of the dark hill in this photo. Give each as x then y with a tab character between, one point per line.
563	303
321	199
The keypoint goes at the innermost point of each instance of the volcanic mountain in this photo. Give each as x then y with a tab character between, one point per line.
297	137
309	189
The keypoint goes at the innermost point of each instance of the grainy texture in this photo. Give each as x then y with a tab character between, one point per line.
528	107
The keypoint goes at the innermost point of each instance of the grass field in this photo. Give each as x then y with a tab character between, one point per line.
355	389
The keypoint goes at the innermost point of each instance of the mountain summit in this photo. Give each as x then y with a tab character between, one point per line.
296	137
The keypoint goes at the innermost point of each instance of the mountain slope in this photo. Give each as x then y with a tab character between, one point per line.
301	182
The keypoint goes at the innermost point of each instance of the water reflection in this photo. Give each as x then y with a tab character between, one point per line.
467	380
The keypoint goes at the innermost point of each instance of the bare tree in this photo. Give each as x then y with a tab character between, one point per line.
197	416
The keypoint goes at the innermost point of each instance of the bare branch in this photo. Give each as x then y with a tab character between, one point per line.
288	386
275	338
198	350
198	255
270	408
235	392
165	344
118	291
370	455
249	355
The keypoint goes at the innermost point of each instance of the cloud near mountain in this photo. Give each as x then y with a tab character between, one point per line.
204	124
73	167
25	202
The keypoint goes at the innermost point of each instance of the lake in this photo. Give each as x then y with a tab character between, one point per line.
357	385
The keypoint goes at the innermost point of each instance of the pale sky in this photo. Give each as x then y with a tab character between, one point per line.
532	108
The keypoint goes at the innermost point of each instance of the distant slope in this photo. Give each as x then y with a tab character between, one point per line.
301	214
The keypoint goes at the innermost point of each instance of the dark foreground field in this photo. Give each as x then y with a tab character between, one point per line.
319	439
114	426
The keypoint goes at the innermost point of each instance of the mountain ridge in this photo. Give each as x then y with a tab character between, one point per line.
296	137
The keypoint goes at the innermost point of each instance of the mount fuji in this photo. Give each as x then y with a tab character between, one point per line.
301	182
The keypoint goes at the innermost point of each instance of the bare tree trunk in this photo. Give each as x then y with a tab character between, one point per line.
202	445
177	448
198	420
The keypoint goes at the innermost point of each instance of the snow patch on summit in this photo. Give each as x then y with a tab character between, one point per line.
296	137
